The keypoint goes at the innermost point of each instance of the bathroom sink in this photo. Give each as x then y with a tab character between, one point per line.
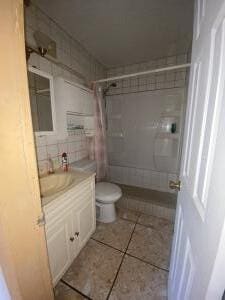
57	182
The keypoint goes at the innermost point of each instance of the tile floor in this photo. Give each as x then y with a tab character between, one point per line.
127	259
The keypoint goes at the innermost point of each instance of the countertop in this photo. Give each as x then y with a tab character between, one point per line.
80	176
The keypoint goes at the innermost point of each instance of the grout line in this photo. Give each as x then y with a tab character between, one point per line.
147	262
148	90
130	237
123	257
117	273
100	242
124	254
141	258
73	288
123	251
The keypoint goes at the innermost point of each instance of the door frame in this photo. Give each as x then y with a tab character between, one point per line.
23	251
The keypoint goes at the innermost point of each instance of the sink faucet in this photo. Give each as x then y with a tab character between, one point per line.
50	166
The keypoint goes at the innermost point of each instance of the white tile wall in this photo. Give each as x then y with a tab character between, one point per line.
51	147
69	51
142	178
131	158
158	81
73	55
146	207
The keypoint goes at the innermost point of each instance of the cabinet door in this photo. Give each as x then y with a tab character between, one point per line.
84	221
73	98
78	100
59	246
75	233
61	94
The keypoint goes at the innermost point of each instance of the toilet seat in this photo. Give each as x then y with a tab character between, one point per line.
106	192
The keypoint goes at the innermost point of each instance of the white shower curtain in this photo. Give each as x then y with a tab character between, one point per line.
100	150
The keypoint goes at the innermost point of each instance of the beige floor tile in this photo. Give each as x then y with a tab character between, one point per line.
151	245
116	234
63	292
139	281
156	223
127	214
94	270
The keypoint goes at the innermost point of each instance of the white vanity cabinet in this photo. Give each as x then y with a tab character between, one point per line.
70	221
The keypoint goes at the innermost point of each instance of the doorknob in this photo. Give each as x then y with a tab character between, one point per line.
71	239
175	185
77	233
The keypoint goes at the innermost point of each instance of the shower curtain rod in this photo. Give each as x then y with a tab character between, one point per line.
144	73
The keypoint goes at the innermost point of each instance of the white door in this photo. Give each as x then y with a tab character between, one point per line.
197	269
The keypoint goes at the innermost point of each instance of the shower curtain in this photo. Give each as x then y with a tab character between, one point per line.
100	151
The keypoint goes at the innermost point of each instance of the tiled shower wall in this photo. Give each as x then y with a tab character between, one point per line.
159	81
150	82
73	55
148	179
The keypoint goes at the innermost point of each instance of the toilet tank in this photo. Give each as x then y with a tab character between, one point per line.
84	165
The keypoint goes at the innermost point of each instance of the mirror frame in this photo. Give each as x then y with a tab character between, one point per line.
52	97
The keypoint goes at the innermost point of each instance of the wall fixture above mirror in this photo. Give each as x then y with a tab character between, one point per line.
42	101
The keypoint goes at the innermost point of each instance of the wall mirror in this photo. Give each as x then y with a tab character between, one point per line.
42	101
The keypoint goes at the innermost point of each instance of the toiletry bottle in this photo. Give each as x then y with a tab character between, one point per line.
64	162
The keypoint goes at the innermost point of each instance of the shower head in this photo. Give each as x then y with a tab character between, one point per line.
113	84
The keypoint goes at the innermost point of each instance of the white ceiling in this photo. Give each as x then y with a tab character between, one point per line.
121	32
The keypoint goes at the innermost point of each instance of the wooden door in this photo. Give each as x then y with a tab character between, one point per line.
23	253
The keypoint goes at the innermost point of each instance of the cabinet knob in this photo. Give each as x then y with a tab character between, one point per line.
71	239
77	233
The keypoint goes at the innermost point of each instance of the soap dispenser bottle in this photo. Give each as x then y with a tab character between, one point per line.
64	162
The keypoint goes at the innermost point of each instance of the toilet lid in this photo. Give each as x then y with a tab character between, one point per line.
107	192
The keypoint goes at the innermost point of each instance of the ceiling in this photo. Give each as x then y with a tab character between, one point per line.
121	32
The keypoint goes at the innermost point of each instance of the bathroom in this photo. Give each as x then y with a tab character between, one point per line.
143	117
115	146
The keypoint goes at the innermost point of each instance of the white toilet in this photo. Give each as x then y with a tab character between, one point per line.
106	194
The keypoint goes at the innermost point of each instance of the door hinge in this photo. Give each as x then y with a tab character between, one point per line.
175	185
41	220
